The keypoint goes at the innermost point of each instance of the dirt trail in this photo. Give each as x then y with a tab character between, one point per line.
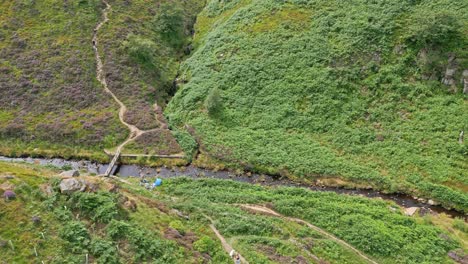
227	247
268	211
135	132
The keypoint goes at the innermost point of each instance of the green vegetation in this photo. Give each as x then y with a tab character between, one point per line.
142	51
50	101
170	224
48	88
97	224
142	45
332	92
376	227
169	24
352	93
213	101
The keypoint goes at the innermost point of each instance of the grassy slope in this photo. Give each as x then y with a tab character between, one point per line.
50	101
140	83
370	225
333	91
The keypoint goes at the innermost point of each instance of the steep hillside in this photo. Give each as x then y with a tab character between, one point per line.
356	93
198	221
50	101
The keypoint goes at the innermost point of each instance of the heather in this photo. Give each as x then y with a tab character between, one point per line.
50	101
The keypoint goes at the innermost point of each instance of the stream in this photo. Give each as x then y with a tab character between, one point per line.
191	171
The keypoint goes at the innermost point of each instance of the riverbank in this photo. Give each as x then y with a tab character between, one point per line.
131	170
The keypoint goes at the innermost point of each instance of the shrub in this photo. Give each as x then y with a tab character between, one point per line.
177	225
145	245
76	234
205	245
100	206
186	142
142	50
213	101
429	28
169	24
105	250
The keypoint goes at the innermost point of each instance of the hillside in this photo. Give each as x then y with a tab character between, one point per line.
115	221
51	103
356	93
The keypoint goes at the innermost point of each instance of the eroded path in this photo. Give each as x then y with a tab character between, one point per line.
135	132
227	247
268	211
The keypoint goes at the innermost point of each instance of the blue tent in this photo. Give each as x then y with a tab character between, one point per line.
157	182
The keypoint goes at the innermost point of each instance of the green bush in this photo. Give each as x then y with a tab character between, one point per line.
145	245
105	250
205	245
428	27
213	101
142	50
186	142
76	234
101	206
177	225
169	24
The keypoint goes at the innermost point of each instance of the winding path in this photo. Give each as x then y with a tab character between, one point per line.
135	132
268	211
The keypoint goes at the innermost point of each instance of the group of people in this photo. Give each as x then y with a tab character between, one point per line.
234	255
148	185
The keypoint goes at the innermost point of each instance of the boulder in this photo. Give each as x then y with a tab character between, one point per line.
36	220
9	195
70	173
410	211
8	177
180	214
113	188
425	211
71	185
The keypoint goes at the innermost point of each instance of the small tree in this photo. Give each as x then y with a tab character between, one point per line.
427	27
169	24
142	50
213	101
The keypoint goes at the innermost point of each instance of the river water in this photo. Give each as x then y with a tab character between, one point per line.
195	172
